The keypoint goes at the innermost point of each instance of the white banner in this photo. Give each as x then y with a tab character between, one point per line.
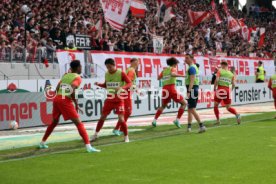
65	58
32	109
158	44
115	12
152	64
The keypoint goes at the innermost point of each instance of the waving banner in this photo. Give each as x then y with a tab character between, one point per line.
115	12
198	17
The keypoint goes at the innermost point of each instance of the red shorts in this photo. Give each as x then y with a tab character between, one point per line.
111	104
223	94
64	107
169	92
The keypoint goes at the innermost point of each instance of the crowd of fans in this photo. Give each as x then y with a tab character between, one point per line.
52	20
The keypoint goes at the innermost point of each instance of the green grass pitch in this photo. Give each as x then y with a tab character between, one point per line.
228	154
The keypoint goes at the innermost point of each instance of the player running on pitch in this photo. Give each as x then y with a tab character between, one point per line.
114	83
222	88
168	76
272	86
131	73
63	105
192	85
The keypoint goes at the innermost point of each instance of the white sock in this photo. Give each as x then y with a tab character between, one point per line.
177	119
42	142
88	146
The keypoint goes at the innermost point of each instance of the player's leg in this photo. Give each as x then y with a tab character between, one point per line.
56	113
232	110
107	108
99	126
128	111
47	133
166	98
217	100
274	96
194	113
227	101
120	110
190	120
84	135
123	126
179	99
216	111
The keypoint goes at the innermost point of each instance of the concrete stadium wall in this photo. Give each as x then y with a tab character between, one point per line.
18	71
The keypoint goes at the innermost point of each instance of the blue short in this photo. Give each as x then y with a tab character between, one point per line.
192	101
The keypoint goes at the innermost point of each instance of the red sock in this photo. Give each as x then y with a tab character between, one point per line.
118	125
48	132
124	128
180	112
232	110
158	113
83	133
216	111
126	118
99	125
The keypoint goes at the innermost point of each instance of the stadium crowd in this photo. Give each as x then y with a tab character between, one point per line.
53	20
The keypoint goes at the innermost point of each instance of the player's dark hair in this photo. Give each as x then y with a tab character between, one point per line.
109	61
260	62
172	61
190	55
133	60
197	65
224	63
75	64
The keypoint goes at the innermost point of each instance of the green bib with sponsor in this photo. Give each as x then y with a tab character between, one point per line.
188	77
113	81
273	79
261	73
167	78
225	78
65	88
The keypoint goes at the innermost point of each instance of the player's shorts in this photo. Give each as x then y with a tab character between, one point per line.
223	94
64	106
111	104
169	92
192	101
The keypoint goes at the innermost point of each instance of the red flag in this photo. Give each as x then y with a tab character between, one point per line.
164	11
244	29
215	12
225	7
252	33
98	27
233	25
138	8
115	12
198	17
262	37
